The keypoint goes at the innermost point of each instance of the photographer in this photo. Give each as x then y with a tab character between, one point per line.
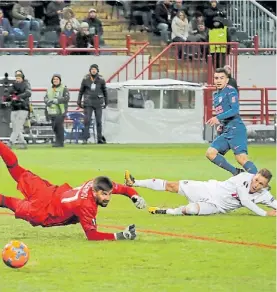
19	97
93	88
56	100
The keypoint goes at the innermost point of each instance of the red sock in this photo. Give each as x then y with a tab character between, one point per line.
11	162
8	202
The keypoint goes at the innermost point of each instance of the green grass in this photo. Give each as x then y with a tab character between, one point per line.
62	260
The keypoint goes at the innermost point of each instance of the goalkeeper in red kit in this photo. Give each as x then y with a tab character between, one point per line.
49	205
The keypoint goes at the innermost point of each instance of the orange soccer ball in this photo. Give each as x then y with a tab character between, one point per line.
15	254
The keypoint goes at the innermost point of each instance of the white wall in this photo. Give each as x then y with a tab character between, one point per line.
39	69
257	70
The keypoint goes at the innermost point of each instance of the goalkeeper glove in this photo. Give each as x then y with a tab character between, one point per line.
129	233
138	201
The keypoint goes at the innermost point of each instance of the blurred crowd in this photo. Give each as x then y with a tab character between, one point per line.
45	20
180	21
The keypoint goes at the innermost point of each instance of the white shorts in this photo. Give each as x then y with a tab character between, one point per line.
199	192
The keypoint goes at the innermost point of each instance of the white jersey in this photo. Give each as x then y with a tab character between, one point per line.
228	195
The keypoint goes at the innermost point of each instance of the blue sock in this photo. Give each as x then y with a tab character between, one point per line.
250	167
223	163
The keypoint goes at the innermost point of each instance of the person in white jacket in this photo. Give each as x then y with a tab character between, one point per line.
180	30
215	197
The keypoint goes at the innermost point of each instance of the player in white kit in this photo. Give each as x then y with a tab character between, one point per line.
214	197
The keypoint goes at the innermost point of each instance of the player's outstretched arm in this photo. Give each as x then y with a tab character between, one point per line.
87	219
131	193
128	234
269	200
246	202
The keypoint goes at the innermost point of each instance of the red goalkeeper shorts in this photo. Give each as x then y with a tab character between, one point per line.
38	195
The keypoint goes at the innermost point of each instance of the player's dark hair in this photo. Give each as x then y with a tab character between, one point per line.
221	70
266	174
102	183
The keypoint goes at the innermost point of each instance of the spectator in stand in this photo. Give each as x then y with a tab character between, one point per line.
95	24
24	17
70	35
179	30
213	11
197	19
83	38
6	32
232	81
178	5
54	13
7	7
162	18
69	16
199	34
142	9
38	9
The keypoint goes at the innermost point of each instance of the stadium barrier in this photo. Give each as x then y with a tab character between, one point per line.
256	106
138	57
195	62
64	50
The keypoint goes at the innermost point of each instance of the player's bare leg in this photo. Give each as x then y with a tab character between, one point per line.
193	208
244	161
153	184
11	162
218	159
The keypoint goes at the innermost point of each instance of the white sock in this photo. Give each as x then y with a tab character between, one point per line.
176	211
154	184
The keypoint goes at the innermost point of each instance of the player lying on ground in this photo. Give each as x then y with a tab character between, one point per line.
232	130
50	205
213	197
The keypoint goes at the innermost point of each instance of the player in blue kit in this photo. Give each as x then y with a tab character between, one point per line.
232	130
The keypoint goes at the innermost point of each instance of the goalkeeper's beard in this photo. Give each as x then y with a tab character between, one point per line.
103	203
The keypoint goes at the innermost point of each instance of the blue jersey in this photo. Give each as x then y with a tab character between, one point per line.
226	104
234	135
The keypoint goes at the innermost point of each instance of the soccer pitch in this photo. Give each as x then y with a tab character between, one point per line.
231	252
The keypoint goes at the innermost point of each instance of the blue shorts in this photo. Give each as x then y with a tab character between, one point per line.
235	139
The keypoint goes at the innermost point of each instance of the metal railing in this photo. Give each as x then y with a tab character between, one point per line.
64	50
252	18
256	108
195	64
135	64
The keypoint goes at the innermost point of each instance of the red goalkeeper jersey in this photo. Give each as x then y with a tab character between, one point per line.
78	205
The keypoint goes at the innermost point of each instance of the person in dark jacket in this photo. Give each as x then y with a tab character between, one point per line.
56	101
232	81
93	89
162	17
95	25
213	11
54	12
84	39
6	32
19	97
